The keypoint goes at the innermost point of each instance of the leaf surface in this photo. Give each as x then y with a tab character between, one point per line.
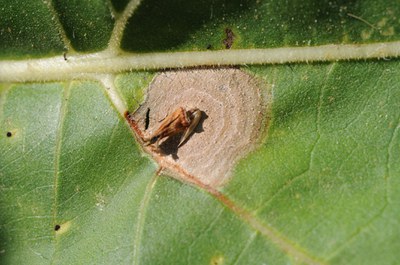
77	188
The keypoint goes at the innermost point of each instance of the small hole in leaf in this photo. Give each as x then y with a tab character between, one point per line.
9	134
57	227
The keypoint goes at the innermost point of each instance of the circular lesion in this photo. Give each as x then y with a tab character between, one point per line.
232	110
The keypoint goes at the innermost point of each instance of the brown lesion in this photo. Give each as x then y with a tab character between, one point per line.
230	36
231	107
180	122
133	124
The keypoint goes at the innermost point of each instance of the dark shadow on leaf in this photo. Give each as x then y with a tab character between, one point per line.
164	25
119	5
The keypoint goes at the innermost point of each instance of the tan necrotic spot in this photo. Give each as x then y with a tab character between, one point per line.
232	108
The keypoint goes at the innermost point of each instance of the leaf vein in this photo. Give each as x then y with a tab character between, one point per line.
142	216
60	27
247	245
366	105
267	231
203	232
55	68
119	26
57	156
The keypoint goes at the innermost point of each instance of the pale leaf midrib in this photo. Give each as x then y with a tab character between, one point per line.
78	66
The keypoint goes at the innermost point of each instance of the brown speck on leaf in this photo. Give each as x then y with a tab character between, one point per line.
147	121
62	228
228	41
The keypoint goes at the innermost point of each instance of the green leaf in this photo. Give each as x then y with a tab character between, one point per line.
319	187
87	24
27	29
